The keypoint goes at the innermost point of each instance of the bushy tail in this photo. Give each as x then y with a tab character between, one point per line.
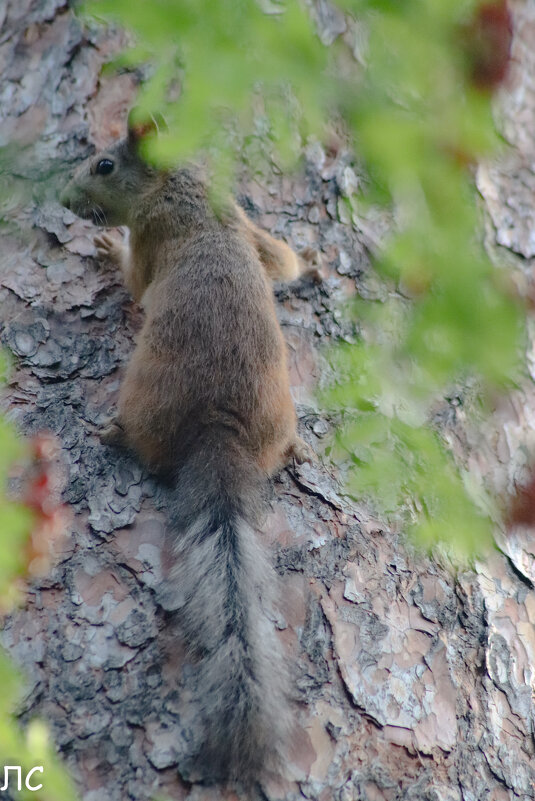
224	584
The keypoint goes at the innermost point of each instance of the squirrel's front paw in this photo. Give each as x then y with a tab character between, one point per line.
311	264
108	247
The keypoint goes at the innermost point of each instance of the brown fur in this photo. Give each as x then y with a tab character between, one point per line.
206	400
280	262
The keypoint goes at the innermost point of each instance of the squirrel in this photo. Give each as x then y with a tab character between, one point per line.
205	403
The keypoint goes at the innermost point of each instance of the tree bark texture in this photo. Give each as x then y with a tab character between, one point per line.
411	681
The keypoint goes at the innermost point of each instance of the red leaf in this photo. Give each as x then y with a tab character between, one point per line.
522	506
487	44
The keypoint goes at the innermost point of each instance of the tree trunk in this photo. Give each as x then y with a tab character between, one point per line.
410	682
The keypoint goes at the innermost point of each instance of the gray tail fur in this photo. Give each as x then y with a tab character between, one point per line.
223	585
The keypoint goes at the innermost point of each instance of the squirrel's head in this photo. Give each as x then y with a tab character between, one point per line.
107	187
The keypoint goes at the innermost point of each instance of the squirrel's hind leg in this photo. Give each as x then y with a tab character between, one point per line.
300	451
112	432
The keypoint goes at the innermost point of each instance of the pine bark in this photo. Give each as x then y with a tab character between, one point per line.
412	680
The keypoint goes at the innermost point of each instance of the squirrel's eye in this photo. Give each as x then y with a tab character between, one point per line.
104	167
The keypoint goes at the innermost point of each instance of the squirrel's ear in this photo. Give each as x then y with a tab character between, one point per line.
141	126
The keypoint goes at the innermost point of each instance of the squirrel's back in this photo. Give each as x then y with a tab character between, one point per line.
211	347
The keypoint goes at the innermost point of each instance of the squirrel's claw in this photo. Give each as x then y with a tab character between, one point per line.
301	452
108	248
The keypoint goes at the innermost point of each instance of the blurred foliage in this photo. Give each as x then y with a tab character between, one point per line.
15	519
33	746
419	114
237	70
